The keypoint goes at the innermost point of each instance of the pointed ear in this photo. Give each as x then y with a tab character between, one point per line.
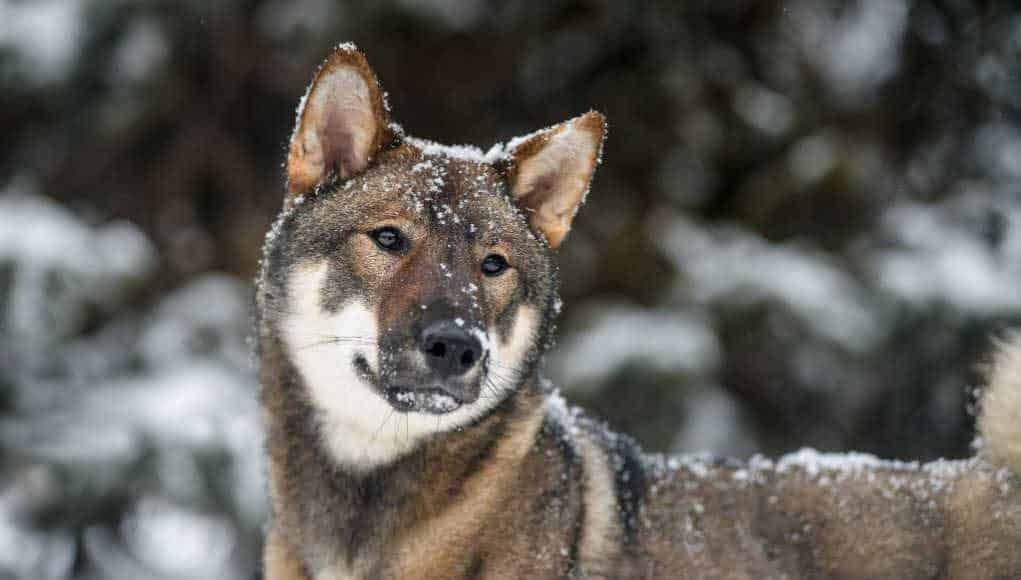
342	122
550	172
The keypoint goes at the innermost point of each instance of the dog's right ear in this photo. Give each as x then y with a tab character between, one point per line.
342	122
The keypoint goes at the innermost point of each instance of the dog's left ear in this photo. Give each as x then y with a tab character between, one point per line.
342	122
550	172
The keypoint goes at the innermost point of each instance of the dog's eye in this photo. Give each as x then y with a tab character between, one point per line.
494	265
389	239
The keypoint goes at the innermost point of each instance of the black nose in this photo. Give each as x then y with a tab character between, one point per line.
449	349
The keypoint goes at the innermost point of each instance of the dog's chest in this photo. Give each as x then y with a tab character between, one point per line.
338	572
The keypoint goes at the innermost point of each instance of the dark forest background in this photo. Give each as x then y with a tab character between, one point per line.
806	232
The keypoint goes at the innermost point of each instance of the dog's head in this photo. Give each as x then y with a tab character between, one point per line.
409	282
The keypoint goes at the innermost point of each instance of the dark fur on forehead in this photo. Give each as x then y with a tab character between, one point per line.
463	202
440	194
421	183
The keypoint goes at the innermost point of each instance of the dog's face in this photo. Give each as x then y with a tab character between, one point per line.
412	285
419	284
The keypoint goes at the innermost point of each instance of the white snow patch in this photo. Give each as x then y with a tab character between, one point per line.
31	554
765	109
939	259
44	35
184	326
814	463
497	152
440	402
998	148
667	341
62	266
726	264
459	152
422	166
178	541
856	49
196	406
142	49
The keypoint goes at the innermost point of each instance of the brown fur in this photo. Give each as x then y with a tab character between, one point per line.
516	516
463	503
306	168
529	489
553	197
1001	407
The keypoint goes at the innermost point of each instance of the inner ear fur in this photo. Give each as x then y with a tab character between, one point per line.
342	122
550	172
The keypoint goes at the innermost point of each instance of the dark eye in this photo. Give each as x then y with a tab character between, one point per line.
389	239
494	265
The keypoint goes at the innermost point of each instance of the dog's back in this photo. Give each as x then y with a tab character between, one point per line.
407	294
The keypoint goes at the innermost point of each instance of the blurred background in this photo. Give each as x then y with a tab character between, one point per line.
806	232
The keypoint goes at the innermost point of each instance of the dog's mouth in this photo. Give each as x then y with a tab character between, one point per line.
406	399
434	401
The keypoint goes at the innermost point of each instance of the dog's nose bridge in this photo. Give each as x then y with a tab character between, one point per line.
450	290
446	311
435	280
436	286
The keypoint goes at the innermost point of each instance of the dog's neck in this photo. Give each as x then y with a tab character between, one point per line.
357	510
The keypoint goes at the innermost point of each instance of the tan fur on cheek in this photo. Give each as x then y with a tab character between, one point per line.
499	290
386	274
368	262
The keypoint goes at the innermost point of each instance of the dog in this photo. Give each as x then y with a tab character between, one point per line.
407	294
